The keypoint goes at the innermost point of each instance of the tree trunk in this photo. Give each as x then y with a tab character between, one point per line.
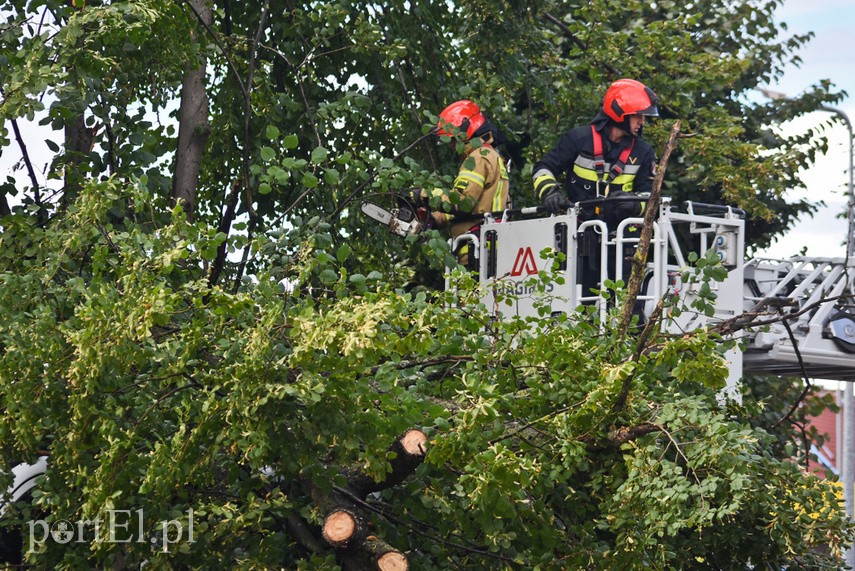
79	141
193	125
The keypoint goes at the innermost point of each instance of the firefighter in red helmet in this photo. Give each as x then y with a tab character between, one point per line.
606	159
482	180
603	158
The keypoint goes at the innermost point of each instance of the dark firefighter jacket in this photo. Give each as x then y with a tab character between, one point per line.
574	155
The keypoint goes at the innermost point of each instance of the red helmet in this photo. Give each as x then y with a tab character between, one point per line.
464	114
629	97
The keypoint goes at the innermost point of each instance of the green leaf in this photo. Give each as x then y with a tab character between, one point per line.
267	154
343	252
331	177
319	155
328	276
290	142
309	180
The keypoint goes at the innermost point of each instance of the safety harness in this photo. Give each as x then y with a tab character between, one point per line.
600	163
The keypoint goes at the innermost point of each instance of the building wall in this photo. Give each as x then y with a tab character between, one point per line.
828	456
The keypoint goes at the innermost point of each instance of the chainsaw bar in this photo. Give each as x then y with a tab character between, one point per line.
391	219
373	211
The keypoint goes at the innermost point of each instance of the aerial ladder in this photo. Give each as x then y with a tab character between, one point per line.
790	317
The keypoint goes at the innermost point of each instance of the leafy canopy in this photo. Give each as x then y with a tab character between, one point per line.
249	396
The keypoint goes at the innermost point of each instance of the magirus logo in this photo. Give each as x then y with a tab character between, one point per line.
524	263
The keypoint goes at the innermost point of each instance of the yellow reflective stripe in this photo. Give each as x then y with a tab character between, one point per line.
543	183
470	176
623	179
541	179
497	197
498	202
587	174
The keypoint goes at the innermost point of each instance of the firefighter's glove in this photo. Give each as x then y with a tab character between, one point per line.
620	206
554	200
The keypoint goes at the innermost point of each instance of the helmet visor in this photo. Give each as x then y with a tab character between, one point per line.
651	111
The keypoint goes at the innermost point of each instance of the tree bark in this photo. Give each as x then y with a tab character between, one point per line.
79	142
193	125
639	260
409	452
385	557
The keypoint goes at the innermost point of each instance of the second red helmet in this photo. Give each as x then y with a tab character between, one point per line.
629	97
464	115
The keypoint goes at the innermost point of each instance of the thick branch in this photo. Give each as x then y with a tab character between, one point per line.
409	451
626	434
342	527
384	556
639	260
231	201
361	549
302	534
225	226
79	142
247	110
347	525
31	172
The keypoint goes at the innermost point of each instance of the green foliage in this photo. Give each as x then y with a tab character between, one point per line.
154	391
554	443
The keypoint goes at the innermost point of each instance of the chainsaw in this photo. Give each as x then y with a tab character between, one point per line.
404	222
400	221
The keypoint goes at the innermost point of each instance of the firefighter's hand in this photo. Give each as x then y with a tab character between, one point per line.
554	200
623	205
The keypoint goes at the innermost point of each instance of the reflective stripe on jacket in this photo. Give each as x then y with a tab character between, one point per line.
482	183
574	155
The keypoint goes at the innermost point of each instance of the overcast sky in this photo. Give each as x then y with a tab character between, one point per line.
828	56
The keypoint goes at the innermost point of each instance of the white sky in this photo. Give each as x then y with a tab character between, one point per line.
827	56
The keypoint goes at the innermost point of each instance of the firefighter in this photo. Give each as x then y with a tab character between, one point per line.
481	182
606	159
